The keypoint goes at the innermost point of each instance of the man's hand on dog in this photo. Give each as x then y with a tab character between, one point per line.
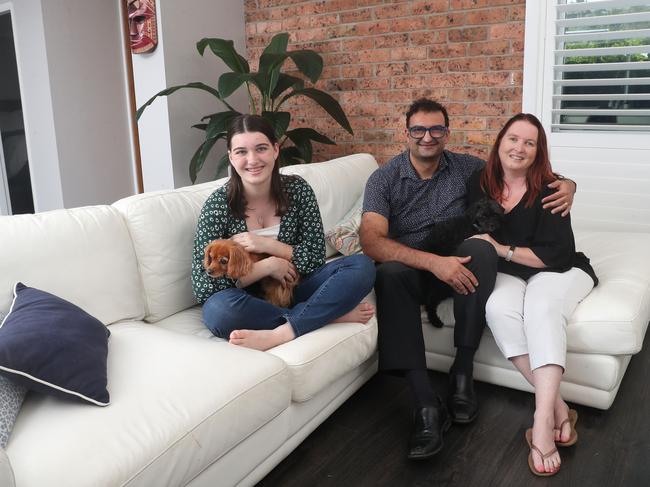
452	271
562	199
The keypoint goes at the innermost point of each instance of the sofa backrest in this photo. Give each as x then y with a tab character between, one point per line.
83	255
162	225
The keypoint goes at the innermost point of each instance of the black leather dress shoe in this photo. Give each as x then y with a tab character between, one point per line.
462	403
429	423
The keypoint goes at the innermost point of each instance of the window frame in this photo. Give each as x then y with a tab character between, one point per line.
537	93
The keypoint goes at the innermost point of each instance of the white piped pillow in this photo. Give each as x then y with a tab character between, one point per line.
344	236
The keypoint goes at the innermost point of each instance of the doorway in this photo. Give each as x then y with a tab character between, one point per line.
15	182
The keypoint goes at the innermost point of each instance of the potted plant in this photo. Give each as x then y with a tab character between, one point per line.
269	88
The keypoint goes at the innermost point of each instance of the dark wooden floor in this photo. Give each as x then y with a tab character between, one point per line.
364	442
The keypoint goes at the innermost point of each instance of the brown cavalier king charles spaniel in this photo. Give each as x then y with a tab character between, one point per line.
228	258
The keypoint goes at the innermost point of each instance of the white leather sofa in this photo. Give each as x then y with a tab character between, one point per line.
190	409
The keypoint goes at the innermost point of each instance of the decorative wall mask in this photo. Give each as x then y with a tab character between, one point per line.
142	25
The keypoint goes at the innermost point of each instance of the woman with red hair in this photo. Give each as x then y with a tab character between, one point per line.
540	281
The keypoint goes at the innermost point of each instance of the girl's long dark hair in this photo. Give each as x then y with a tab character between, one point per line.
236	199
538	174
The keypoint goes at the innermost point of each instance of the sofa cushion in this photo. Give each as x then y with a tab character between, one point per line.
613	318
178	403
162	226
320	357
598	371
344	236
83	255
314	360
52	346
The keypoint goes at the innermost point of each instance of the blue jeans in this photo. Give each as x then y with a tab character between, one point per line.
322	296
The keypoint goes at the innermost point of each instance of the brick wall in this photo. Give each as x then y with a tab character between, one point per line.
379	56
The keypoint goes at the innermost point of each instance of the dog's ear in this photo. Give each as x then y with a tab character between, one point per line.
207	258
240	262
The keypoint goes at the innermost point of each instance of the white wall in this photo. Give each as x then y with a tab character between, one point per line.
167	141
85	49
73	87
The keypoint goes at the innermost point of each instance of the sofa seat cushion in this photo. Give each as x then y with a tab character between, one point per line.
613	318
315	360
598	371
179	403
320	357
83	255
189	321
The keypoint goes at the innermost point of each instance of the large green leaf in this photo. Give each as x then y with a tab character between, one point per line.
271	61
278	44
290	155
225	50
270	65
308	62
329	104
169	91
219	123
279	121
286	81
229	82
222	167
199	157
200	126
310	134
306	149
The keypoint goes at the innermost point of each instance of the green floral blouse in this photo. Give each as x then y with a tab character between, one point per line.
301	227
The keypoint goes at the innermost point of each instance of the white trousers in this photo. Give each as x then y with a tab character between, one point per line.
531	317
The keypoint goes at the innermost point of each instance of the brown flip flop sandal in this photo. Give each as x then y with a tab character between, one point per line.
531	463
573	436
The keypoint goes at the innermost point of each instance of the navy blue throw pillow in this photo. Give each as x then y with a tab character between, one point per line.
51	346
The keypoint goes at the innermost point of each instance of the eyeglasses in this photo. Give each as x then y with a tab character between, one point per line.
436	132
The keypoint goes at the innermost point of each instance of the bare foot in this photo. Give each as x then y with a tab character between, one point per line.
561	412
360	314
544	439
262	339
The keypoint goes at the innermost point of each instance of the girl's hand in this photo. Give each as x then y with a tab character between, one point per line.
282	270
252	242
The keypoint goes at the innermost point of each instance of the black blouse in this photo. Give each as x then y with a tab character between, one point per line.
548	235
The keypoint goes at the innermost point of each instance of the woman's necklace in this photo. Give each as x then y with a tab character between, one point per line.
258	216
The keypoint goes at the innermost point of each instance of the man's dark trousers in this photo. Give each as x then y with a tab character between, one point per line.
400	291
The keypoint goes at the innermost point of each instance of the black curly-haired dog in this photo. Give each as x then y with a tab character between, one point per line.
483	216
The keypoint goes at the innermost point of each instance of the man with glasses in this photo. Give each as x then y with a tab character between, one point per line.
404	199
